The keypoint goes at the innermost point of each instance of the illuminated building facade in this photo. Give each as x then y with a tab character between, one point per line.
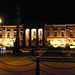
8	35
33	35
57	35
29	36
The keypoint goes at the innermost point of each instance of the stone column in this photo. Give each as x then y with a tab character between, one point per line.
67	35
37	37
43	38
30	37
24	37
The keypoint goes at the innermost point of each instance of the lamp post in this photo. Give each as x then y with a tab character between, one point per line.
16	48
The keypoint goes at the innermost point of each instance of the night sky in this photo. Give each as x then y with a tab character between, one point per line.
52	11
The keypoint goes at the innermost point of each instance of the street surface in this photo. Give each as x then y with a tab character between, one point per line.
11	64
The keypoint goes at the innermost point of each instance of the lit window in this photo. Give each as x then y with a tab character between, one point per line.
0	34
8	34
62	33
34	33
55	33
48	33
40	33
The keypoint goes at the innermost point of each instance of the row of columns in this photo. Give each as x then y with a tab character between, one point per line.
37	44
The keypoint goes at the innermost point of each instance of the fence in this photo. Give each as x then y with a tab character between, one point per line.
38	62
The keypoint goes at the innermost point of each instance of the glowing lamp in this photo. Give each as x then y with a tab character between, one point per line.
32	38
71	46
0	20
4	48
27	29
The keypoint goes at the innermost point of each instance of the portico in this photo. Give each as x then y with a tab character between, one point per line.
33	36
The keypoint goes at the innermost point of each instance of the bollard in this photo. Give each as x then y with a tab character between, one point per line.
37	67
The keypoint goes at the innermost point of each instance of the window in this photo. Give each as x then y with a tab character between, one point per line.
15	29
62	29
21	33
34	33
40	33
71	34
15	33
62	33
21	29
55	33
21	42
8	34
48	33
54	29
3	28
47	29
8	29
0	34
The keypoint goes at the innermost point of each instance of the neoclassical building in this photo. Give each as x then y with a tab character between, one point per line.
60	34
57	35
29	36
8	35
33	35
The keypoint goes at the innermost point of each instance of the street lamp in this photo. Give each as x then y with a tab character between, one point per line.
16	48
0	20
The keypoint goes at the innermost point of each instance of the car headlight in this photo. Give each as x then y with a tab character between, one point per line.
4	48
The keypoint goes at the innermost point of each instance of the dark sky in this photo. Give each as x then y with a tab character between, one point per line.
52	11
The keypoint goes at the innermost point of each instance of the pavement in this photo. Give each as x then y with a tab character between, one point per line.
40	56
16	64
